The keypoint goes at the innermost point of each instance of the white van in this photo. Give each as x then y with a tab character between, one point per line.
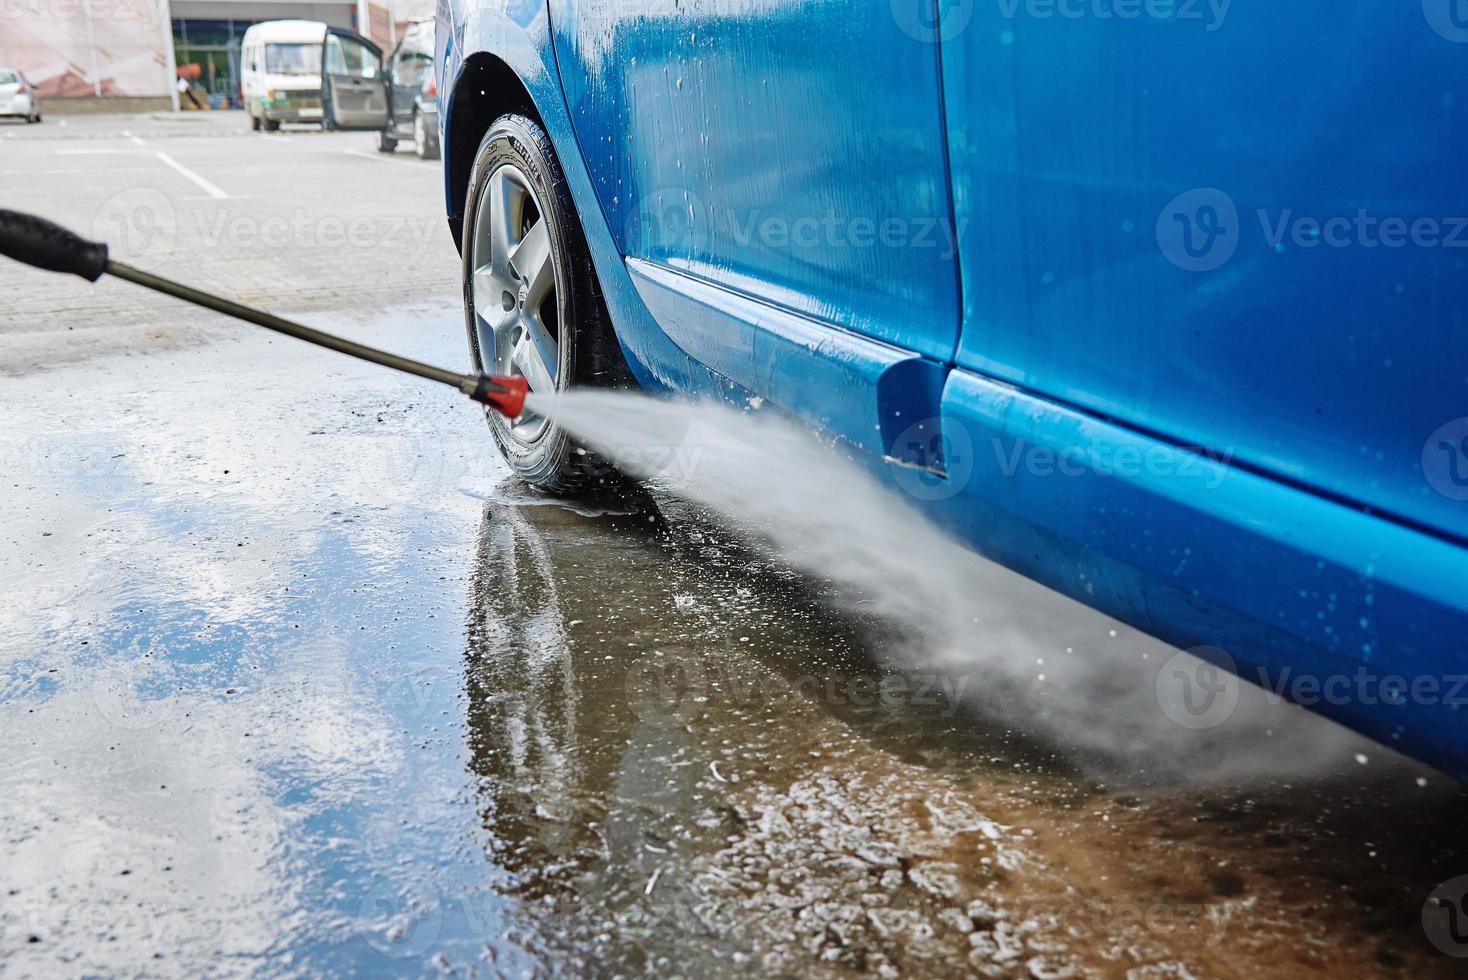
281	77
280	72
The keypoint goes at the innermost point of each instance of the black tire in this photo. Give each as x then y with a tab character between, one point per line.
385	143
588	355
271	125
425	143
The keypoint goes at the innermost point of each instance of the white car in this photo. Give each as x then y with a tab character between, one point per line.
18	97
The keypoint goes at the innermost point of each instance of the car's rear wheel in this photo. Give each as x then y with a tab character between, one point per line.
531	299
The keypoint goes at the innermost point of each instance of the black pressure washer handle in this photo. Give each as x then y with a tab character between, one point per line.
36	241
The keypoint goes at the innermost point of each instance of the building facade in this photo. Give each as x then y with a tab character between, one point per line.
133	50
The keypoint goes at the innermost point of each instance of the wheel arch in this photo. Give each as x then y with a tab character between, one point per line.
486	88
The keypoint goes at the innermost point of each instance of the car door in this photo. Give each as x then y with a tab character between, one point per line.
412	66
782	151
353	84
1234	228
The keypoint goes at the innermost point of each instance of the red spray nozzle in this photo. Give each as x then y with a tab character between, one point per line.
505	393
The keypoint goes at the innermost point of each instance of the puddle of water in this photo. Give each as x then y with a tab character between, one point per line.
689	756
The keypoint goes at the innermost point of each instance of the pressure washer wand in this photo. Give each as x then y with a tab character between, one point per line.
38	242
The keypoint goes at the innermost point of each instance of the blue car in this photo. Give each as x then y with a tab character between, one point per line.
1160	303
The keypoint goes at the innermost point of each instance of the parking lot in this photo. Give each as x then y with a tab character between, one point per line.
295	673
299	220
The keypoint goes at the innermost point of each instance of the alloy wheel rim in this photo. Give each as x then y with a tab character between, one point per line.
513	285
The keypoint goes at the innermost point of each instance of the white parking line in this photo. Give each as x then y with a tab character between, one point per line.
97	153
200	182
387	158
49	171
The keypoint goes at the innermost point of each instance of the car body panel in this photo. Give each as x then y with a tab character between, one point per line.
1224	535
1080	146
1194	548
861	390
726	142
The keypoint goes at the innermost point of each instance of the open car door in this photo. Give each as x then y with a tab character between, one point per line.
353	85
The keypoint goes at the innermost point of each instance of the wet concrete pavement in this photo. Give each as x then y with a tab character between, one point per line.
298	680
302	682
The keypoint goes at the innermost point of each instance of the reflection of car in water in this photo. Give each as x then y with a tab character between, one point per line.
556	748
1143	336
18	97
590	758
412	94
